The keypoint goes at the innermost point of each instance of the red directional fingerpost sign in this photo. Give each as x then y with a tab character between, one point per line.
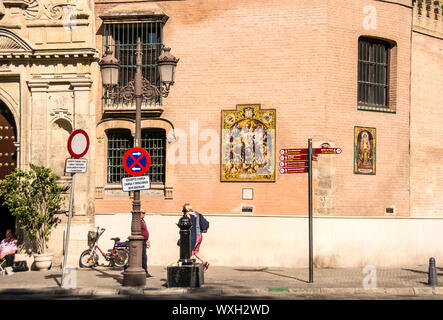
326	150
297	157
294	170
298	160
294	160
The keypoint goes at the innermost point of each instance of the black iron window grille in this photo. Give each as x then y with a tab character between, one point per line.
119	141
373	73
121	39
153	141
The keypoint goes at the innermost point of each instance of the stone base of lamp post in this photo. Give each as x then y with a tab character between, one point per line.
185	276
135	275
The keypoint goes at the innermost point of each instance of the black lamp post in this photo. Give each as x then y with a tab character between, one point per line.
185	226
139	88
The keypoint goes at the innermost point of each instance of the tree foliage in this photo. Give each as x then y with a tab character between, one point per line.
34	198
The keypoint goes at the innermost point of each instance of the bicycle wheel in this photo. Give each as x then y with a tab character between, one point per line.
120	258
88	259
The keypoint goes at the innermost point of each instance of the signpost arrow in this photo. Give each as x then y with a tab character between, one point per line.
293	151
293	163
326	150
294	170
297	157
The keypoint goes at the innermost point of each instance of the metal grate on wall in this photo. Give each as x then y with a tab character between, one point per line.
119	141
373	73
121	38
153	141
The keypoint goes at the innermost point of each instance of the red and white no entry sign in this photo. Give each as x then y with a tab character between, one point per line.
78	143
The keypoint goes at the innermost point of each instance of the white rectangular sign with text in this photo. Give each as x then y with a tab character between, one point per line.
136	183
76	165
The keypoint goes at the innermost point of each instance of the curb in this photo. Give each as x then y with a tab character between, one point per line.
109	291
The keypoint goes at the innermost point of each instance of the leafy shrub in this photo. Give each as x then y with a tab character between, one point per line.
34	198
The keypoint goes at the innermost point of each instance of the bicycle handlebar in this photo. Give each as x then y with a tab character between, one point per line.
100	231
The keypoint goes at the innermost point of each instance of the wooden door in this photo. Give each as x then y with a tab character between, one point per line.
8	161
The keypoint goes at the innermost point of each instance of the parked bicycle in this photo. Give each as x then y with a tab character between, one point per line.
117	256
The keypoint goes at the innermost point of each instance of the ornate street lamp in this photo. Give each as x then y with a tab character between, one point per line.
140	89
109	68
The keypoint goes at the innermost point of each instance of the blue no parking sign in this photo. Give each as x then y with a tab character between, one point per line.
136	161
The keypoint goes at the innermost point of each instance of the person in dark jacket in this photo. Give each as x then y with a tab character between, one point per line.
199	226
146	243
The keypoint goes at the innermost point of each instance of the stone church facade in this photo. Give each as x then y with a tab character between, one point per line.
46	51
362	75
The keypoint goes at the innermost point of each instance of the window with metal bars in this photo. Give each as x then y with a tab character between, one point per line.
119	141
121	38
152	140
373	72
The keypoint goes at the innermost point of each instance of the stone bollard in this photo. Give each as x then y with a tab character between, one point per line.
432	275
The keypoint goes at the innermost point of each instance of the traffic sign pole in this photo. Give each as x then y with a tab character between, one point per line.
311	268
78	145
71	201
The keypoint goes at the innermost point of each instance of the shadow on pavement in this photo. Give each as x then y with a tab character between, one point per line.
55	277
285	276
422	272
266	270
103	274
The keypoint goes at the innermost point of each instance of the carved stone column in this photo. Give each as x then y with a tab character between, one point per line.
39	122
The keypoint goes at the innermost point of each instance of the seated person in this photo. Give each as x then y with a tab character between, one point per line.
8	248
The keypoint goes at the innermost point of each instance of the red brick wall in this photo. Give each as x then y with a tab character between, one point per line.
299	57
426	115
368	194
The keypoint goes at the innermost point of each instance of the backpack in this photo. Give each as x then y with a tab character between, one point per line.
18	266
204	224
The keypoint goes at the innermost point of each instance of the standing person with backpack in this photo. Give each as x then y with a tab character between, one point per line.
199	226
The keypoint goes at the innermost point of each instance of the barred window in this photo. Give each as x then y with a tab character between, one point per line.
119	141
373	72
152	140
121	38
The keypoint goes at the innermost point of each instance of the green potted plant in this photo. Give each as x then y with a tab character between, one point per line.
34	198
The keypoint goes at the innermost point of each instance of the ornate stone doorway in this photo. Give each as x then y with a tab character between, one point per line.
8	161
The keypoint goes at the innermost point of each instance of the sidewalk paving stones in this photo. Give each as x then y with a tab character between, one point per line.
222	281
